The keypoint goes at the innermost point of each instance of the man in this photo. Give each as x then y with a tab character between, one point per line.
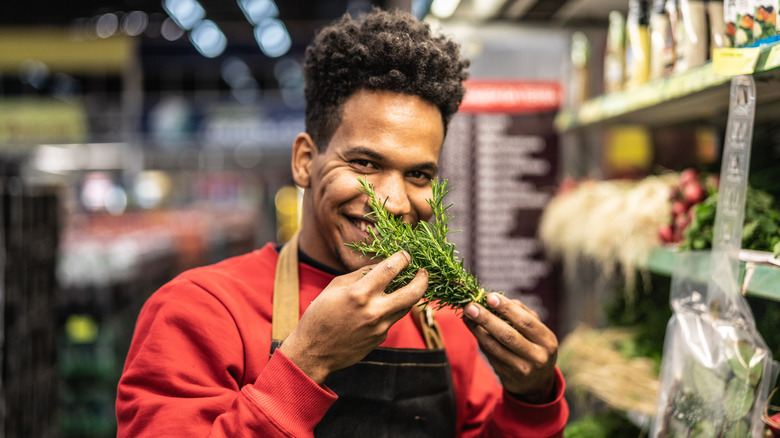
207	357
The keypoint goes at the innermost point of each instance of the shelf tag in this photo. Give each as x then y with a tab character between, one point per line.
773	59
733	62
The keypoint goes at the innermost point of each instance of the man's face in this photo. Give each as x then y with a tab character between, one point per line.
394	141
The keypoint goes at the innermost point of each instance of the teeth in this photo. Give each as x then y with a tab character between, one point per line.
364	226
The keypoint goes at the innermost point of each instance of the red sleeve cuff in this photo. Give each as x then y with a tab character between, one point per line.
531	420
288	397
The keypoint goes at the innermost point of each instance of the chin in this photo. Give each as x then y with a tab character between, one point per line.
353	261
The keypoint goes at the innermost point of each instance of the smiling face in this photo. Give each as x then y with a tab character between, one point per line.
394	141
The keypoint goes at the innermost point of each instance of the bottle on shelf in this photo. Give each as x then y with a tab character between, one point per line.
637	44
662	46
694	44
615	53
717	22
580	61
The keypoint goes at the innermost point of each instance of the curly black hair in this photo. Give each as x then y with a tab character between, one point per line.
382	50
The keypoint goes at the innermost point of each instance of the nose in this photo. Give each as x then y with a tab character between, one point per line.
393	189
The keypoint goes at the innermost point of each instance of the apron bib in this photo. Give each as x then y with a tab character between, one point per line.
392	392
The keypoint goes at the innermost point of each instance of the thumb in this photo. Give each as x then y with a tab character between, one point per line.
404	298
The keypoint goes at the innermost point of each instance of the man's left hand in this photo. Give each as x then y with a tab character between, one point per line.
523	354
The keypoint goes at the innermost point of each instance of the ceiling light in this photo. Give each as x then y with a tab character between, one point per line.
208	39
257	10
186	13
272	37
170	30
134	23
235	71
106	25
444	8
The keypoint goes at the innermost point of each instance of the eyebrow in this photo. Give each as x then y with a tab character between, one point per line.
371	153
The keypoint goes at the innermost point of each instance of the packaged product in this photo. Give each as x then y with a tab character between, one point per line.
678	32
662	51
738	15
637	44
695	47
615	53
765	20
717	371
718	37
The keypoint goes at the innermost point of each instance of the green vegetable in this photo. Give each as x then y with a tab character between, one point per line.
739	398
761	230
449	283
746	364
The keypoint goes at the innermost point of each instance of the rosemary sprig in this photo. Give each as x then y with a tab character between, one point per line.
449	283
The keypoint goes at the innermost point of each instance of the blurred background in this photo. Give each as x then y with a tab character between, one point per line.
140	138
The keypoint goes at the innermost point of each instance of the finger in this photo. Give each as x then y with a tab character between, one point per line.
496	352
501	352
384	272
527	309
495	329
404	298
522	319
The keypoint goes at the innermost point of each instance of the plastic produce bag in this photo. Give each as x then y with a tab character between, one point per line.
717	371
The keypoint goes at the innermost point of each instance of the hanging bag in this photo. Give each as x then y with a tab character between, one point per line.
716	371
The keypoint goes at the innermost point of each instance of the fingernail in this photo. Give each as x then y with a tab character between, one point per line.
406	254
425	272
472	311
493	300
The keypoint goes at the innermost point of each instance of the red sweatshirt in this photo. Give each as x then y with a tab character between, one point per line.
199	364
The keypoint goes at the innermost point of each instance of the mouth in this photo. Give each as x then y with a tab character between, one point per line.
362	224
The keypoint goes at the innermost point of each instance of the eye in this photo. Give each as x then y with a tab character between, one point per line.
363	164
420	176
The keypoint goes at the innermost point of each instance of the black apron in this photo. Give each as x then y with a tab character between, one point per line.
392	392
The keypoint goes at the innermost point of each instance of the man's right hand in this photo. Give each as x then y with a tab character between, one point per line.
351	317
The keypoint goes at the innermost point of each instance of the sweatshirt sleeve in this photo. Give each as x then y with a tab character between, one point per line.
512	417
484	408
182	375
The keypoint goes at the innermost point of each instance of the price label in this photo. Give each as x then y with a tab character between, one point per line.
733	62
773	59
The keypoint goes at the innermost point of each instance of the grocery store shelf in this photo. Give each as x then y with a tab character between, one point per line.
763	278
697	94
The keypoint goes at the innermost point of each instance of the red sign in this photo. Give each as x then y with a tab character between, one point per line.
511	96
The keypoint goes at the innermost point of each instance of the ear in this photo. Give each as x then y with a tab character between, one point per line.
303	155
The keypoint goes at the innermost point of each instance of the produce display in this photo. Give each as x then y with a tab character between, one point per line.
694	202
618	223
449	283
689	191
614	223
600	362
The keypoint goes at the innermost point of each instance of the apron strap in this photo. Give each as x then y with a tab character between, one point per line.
428	326
286	291
286	311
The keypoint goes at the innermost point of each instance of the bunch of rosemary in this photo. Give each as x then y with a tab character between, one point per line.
449	284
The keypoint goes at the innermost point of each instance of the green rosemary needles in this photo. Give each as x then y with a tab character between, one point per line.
449	284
